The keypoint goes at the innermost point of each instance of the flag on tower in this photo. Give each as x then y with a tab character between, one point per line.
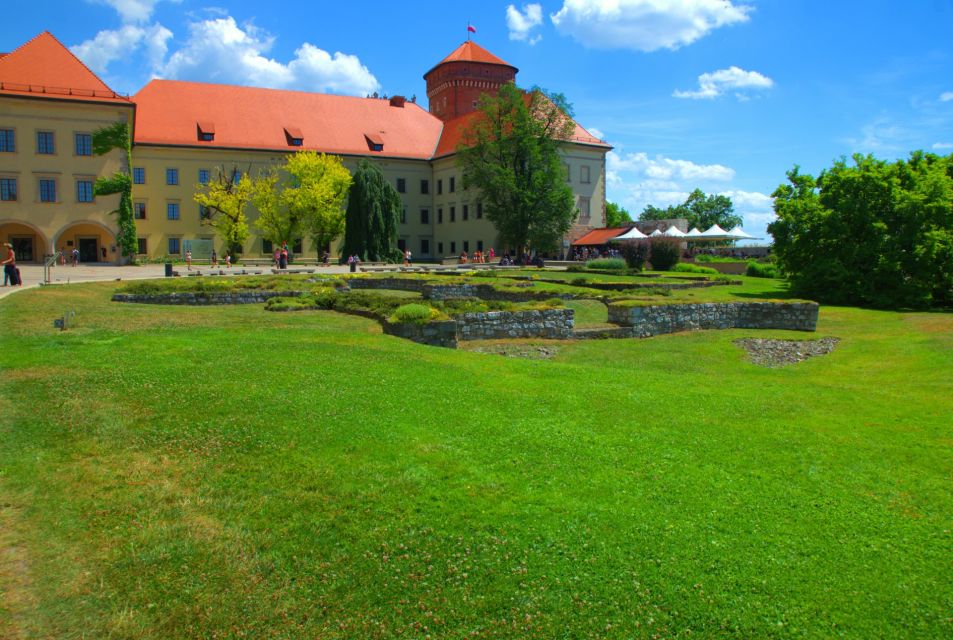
471	28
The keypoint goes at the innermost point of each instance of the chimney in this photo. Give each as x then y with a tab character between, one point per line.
397	101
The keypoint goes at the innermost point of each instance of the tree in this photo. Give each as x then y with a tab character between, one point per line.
876	233
373	212
225	200
105	139
510	153
701	211
276	221
318	191
616	215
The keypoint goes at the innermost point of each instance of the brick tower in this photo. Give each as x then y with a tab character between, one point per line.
454	86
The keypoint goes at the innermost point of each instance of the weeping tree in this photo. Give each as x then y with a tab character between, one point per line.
105	139
372	216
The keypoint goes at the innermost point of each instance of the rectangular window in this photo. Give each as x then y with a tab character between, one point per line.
236	176
203	176
204	213
175	246
45	143
139	211
84	144
401	185
403	215
479	210
172	210
453	248
466	212
439	216
84	191
138	175
172	176
401	244
8	143
568	173
424	186
297	246
466	246
267	246
439	248
439	187
424	216
583	208
424	246
584	174
47	190
143	246
479	245
453	214
453	184
8	189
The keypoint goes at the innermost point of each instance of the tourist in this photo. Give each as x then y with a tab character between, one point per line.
228	259
277	257
214	258
407	258
463	258
10	266
492	254
188	259
283	257
326	258
75	256
63	256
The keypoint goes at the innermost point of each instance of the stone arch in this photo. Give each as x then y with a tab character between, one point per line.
29	242
90	238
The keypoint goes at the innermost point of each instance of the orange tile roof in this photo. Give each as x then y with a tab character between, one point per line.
256	118
453	131
44	68
470	51
601	236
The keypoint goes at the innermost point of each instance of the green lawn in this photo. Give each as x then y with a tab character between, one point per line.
224	472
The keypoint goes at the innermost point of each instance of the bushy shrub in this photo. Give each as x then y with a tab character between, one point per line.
580	282
665	253
762	270
608	264
326	298
636	254
686	267
413	312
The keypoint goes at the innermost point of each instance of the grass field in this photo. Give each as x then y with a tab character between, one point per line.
224	472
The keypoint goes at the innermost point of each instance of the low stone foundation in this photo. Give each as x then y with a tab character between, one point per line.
451	291
653	320
555	324
436	334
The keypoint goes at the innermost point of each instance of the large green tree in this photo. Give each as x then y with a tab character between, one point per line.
310	201
105	139
510	153
372	216
875	233
225	200
700	209
616	215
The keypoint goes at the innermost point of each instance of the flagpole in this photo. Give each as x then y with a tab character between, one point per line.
468	31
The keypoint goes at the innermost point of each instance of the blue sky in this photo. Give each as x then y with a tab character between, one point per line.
722	95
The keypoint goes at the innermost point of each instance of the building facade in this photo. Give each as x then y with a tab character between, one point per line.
187	133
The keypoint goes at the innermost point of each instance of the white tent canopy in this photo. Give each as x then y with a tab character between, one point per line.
631	234
738	234
694	232
714	233
674	232
655	234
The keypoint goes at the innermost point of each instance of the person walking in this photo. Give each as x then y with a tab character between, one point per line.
188	259
10	273
75	256
214	258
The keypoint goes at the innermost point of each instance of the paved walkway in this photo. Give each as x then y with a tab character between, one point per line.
33	273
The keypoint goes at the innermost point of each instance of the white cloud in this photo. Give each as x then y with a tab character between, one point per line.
711	85
596	132
644	25
662	168
942	146
218	50
520	24
132	11
946	96
111	45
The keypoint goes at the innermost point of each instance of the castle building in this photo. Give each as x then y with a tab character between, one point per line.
185	133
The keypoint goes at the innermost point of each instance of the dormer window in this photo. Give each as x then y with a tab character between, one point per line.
206	131
294	136
374	141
